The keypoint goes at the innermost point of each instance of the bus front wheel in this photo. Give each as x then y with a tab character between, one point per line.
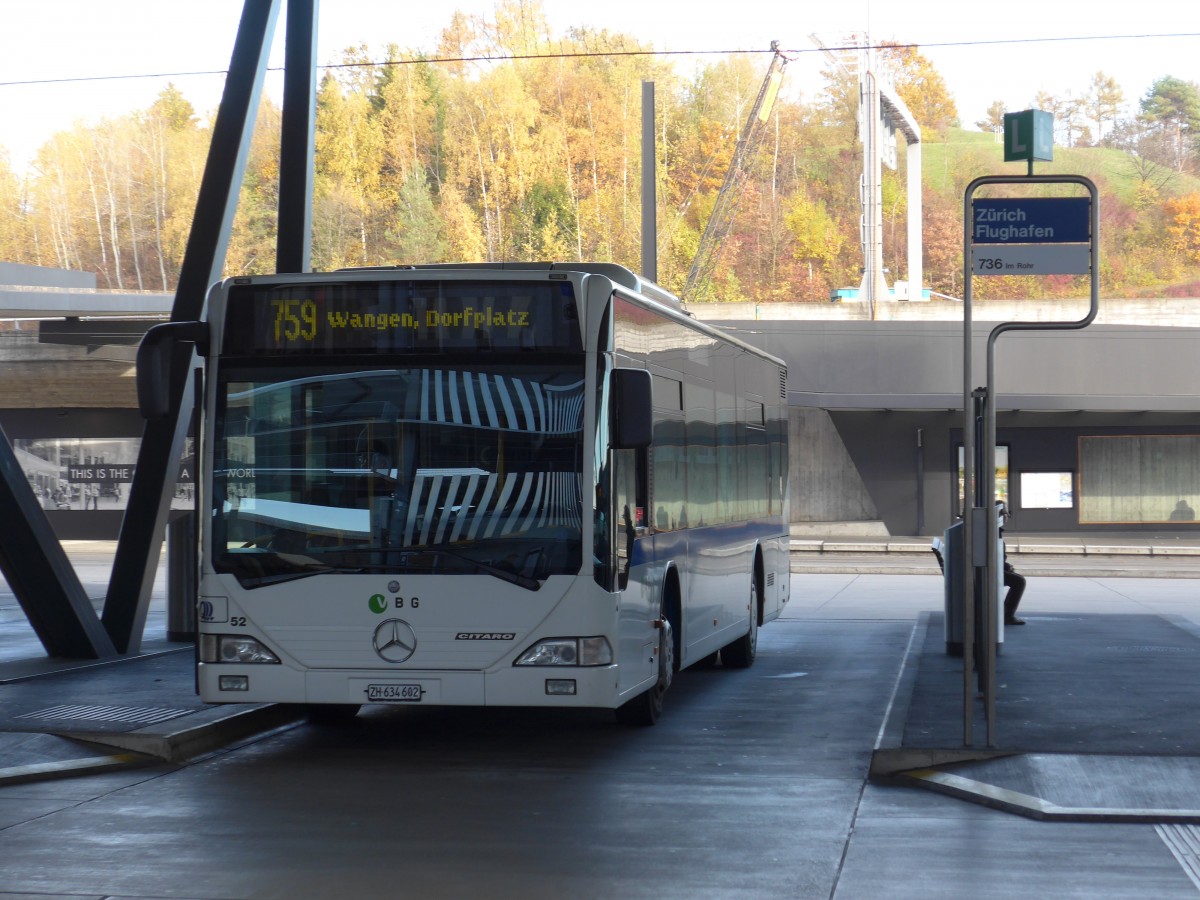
645	708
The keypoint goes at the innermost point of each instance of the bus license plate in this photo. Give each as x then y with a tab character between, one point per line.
394	693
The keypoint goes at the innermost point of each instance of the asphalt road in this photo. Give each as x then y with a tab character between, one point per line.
753	785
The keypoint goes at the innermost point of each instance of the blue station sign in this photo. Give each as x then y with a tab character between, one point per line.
1031	220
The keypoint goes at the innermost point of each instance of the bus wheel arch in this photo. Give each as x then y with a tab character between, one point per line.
646	707
671	611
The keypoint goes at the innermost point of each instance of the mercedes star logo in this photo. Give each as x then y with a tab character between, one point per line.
394	641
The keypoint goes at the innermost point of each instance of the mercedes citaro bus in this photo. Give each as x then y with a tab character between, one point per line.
477	485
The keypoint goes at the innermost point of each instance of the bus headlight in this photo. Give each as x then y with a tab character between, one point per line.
233	648
587	651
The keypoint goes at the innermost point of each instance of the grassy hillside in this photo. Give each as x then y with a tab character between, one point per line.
950	164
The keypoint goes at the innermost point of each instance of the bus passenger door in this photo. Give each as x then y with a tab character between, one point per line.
628	515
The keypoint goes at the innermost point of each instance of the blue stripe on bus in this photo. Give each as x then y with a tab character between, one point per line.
667	545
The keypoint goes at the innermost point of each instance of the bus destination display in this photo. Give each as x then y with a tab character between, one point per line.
400	316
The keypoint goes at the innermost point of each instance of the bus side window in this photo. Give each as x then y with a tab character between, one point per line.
628	507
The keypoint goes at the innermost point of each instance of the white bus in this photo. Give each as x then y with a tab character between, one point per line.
486	485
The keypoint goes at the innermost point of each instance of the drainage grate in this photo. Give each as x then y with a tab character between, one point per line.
134	715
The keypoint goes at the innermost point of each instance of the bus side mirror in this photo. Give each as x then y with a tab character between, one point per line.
154	363
634	425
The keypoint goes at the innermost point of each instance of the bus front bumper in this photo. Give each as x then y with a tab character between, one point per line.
550	686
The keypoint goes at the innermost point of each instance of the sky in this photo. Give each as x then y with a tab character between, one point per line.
1007	50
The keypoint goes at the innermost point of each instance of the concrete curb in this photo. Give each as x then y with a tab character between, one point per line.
1032	807
890	757
89	765
203	732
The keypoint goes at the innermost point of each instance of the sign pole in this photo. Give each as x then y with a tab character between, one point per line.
1062	236
967	568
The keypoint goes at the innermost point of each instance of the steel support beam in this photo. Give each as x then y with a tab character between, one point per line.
144	524
39	573
297	138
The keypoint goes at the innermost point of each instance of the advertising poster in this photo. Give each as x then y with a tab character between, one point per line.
91	474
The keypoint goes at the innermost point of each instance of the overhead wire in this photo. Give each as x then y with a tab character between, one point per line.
611	53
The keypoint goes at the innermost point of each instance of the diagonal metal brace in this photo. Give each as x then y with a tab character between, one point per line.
39	573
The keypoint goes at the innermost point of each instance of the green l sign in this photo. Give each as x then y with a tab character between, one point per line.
1028	135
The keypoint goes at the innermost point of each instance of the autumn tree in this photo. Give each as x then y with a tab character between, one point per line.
255	226
172	146
1172	106
837	102
13	246
942	242
1103	103
1068	111
818	244
350	202
1147	156
994	120
536	153
721	98
1184	225
921	87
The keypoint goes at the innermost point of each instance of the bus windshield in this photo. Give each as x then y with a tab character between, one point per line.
471	469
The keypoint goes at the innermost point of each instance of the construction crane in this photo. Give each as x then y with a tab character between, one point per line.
721	220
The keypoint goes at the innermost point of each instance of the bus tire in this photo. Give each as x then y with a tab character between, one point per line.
740	654
646	707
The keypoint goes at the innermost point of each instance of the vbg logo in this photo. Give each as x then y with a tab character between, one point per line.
378	603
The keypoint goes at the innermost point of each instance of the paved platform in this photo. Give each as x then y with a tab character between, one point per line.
1096	720
1096	712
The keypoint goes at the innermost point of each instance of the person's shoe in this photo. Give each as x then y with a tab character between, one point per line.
1013	620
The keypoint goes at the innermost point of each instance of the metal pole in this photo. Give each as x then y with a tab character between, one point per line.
988	635
649	195
993	533
916	272
920	481
990	522
968	487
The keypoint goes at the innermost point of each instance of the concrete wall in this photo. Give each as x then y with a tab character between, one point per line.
14	274
892	390
913	487
824	482
1159	311
918	365
47	376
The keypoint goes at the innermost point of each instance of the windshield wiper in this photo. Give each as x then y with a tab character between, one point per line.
524	581
256	570
307	572
393	558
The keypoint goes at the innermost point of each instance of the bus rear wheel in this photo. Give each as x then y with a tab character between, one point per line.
740	654
645	708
